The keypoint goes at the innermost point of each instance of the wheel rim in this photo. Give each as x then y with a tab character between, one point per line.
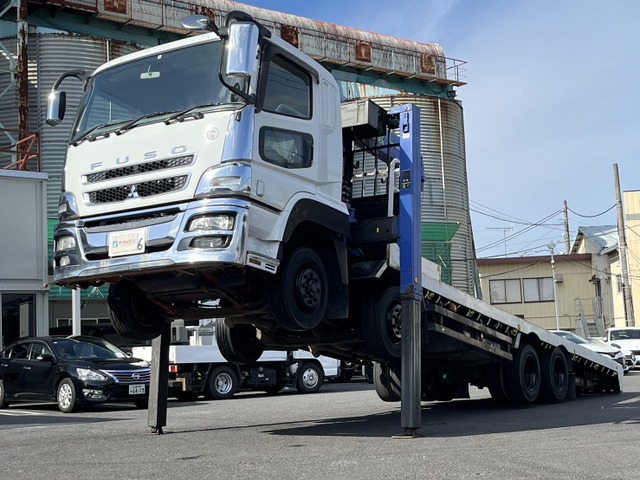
308	289
394	325
224	383
64	395
310	378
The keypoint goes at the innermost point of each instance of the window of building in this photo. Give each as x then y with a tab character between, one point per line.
288	89
538	289
505	291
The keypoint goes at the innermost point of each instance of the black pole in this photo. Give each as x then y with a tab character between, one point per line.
158	390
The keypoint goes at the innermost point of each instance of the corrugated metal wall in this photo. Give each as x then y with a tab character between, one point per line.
445	197
49	56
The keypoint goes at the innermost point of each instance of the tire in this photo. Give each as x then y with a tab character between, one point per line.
132	315
300	295
3	396
554	369
495	382
66	396
142	404
387	382
221	384
238	343
381	325
522	375
310	378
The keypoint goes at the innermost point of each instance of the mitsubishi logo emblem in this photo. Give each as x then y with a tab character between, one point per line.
133	193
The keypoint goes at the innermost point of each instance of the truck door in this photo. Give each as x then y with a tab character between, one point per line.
286	133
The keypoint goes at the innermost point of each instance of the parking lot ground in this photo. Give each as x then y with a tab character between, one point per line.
344	431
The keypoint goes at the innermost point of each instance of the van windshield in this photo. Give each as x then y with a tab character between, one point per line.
150	88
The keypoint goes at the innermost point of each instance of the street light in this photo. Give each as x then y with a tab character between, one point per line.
555	291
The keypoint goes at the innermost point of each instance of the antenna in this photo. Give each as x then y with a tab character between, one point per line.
504	230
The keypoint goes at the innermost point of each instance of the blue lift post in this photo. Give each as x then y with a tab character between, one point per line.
410	240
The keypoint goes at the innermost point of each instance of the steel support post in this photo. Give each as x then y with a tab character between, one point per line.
410	239
158	389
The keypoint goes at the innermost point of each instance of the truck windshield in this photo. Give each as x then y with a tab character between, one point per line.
150	87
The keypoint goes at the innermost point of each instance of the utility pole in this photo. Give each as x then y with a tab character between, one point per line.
555	288
567	240
622	242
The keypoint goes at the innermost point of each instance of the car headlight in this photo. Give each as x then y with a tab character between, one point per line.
615	345
87	374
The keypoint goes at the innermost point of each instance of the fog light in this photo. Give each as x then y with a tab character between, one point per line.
208	242
65	243
211	222
93	394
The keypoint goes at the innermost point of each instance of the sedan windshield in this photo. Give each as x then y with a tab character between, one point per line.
148	88
71	349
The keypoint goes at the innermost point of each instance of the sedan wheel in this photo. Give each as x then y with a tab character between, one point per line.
67	396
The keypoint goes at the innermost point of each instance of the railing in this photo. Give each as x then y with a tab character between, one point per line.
24	151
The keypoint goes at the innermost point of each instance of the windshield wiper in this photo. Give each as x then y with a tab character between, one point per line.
132	123
184	114
86	135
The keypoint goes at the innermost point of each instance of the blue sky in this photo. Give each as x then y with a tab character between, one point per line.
550	105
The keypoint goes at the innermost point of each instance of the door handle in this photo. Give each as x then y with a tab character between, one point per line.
26	367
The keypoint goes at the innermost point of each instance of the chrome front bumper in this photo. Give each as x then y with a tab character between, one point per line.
168	243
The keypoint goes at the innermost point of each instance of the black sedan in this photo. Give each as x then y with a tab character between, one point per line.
72	371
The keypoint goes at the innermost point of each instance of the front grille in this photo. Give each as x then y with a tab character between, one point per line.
125	377
143	189
140	168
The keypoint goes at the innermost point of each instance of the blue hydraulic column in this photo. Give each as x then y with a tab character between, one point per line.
410	230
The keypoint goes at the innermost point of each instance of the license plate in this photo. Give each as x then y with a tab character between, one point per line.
127	243
136	389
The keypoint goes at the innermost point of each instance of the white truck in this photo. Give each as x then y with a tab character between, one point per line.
212	177
196	367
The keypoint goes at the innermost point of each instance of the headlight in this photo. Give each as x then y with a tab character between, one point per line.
211	222
87	374
615	345
65	243
225	179
67	207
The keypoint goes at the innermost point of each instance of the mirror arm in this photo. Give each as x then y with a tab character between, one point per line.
79	74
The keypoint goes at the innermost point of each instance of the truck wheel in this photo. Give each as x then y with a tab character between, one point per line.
381	325
132	315
495	381
66	396
222	383
387	382
555	375
310	378
522	375
238	343
300	294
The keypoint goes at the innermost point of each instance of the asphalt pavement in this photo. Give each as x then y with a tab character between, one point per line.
344	431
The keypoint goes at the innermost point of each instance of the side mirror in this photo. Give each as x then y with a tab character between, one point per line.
46	358
56	106
242	49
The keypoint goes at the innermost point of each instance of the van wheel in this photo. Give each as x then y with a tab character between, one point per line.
238	343
300	294
382	325
221	384
555	375
132	315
